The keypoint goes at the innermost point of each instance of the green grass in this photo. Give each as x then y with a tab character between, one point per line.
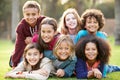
6	48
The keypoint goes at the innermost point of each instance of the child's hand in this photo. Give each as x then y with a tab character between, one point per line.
14	75
60	73
90	74
28	40
97	73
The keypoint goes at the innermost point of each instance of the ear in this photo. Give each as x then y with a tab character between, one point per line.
41	55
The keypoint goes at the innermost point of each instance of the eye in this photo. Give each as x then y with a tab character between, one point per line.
87	49
29	54
49	31
60	48
35	54
66	48
43	31
67	19
27	14
33	14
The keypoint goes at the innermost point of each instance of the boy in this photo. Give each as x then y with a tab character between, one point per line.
92	22
27	27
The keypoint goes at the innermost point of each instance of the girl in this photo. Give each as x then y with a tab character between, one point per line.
92	56
33	66
92	22
64	52
47	36
70	23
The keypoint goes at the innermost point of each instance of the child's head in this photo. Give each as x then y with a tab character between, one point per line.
47	30
64	48
92	20
33	53
93	48
70	19
31	12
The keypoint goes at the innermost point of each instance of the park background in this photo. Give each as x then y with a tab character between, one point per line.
11	14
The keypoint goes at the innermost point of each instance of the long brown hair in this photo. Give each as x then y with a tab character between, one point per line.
50	21
31	46
62	25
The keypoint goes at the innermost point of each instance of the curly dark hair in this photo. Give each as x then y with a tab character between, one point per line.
93	13
102	46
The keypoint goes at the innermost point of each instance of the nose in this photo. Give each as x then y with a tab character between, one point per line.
46	34
63	51
32	56
30	16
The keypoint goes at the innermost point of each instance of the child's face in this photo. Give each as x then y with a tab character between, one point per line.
63	51
91	25
31	15
47	33
91	51
71	21
33	56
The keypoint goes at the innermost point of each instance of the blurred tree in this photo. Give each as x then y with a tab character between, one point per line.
107	8
15	17
52	8
117	20
5	15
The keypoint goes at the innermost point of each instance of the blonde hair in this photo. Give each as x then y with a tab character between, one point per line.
69	41
32	4
62	26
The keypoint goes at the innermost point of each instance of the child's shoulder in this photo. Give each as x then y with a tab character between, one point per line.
45	60
22	24
82	31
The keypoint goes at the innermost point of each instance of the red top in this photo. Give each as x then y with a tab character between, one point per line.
51	43
95	65
23	30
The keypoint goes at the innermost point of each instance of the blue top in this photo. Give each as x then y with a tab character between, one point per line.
68	65
49	54
81	69
83	33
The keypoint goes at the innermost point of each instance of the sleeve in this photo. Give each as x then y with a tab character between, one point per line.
81	69
35	38
70	68
20	67
19	45
102	35
36	76
46	65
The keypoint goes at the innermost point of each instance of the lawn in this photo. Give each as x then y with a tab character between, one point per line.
6	48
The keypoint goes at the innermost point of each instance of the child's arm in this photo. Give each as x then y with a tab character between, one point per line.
17	70
69	69
81	69
97	73
35	38
43	72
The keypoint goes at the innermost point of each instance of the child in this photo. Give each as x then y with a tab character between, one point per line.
27	27
47	36
33	66
92	56
92	22
70	23
64	52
